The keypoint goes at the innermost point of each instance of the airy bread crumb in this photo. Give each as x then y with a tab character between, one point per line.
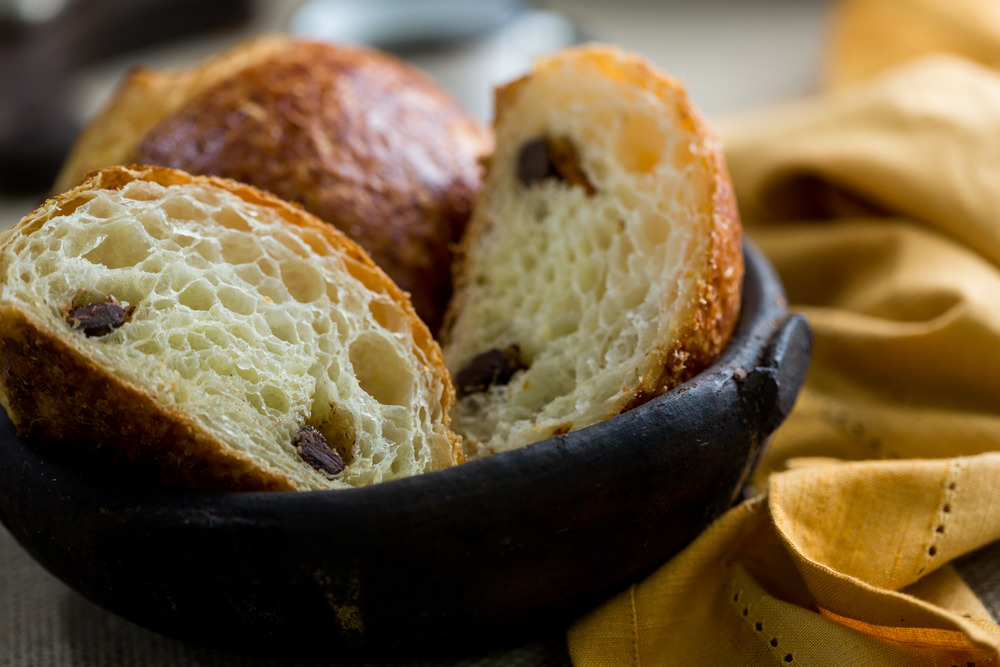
605	247
248	320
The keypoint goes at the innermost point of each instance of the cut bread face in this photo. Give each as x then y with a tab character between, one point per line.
218	332
602	265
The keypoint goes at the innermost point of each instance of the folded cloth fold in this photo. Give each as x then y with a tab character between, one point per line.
840	564
919	141
879	207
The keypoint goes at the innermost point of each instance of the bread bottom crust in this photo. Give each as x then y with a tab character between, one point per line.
57	397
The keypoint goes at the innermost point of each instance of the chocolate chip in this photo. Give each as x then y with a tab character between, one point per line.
552	157
533	162
312	448
565	159
490	368
98	319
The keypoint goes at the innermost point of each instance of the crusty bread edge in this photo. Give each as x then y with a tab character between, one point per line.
712	319
708	328
54	394
37	361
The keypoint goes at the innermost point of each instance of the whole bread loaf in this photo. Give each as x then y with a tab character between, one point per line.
357	137
602	265
232	338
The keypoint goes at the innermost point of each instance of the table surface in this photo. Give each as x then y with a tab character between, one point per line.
732	54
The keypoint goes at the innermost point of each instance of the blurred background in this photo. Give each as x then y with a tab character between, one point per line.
61	59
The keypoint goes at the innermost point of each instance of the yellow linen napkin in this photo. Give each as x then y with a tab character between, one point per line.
810	576
868	36
879	205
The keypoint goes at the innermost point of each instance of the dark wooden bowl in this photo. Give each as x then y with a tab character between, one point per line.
489	552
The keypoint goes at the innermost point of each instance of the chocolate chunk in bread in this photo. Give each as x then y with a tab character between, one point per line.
551	157
100	318
313	449
533	163
493	367
566	161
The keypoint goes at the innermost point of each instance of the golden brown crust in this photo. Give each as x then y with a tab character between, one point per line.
358	138
53	392
142	99
710	324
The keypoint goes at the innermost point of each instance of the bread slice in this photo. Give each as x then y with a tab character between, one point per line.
359	138
602	265
229	337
